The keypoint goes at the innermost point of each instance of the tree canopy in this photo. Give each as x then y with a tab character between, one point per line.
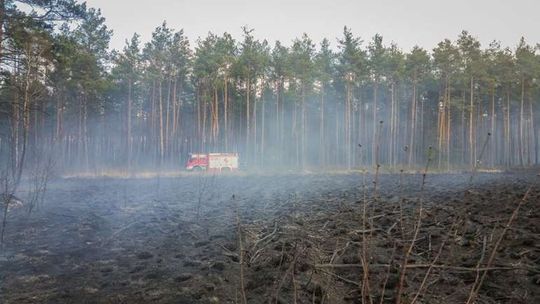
293	104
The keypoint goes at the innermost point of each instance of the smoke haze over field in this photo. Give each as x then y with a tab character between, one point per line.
408	23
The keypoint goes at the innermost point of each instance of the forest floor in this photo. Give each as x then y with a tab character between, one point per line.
314	238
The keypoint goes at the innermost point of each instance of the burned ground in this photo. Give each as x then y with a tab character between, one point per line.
304	239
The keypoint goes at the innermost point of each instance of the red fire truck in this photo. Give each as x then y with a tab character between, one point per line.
212	161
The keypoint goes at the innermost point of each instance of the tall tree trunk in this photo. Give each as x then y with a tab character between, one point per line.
79	144
532	139
161	135
362	132
216	100
215	116
226	112
440	128
392	143
336	135
412	146
348	125
179	130
322	154
59	115
174	119
472	143
521	122
375	123
282	117
167	118
15	122
263	128
85	133
507	157
199	118
295	134
204	115
277	127
152	132
278	133
19	156
2	21
254	130
449	125
422	132
493	144
303	126
463	127
128	125
397	131
248	121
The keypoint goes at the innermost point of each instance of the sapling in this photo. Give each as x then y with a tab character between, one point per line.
360	156
480	261
388	271
6	199
202	188
479	160
405	149
364	253
476	288
240	251
39	177
416	229
377	164
420	290
463	213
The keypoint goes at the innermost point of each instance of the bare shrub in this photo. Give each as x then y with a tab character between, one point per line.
39	176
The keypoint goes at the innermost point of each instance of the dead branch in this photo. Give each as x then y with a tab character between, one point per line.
438	266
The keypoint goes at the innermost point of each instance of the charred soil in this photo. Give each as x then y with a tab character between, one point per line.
317	238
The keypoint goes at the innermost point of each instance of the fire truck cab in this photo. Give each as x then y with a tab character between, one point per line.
212	161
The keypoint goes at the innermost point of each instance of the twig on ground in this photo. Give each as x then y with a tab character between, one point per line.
438	266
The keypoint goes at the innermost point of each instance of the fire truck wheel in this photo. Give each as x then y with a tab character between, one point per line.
197	169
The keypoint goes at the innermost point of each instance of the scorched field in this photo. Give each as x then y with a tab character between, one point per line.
315	238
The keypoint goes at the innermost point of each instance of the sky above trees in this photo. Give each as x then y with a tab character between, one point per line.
408	23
